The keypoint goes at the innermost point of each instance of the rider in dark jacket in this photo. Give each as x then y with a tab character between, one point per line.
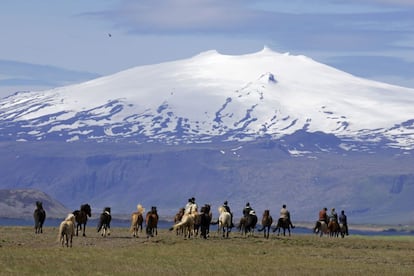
247	210
343	220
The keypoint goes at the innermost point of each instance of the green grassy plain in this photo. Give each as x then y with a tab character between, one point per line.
24	253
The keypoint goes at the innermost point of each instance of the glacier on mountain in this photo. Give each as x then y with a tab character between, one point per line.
213	96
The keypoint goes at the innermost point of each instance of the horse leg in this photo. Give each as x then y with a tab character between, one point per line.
149	232
84	229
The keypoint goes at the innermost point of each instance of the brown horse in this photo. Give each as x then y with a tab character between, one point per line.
177	219
151	221
203	220
39	216
333	228
267	221
81	217
137	220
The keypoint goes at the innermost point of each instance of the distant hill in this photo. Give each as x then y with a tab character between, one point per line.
21	203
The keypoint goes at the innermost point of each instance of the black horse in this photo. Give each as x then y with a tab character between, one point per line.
81	217
205	220
39	216
284	224
104	223
248	224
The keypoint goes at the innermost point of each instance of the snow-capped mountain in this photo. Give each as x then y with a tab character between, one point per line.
216	97
266	127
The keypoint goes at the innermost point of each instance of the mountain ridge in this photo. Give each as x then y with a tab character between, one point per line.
212	95
267	128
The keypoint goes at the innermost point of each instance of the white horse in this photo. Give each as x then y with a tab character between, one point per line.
224	221
67	230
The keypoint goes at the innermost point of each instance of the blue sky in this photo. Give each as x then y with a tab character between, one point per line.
51	43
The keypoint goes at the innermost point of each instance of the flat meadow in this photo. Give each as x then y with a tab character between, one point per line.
22	252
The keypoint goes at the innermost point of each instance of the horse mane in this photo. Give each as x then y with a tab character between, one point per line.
221	209
140	209
86	208
39	205
70	217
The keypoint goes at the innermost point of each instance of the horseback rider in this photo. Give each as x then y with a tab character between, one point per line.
343	220
191	206
285	214
333	216
248	210
227	208
323	217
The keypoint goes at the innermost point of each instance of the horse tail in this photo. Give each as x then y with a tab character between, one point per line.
183	221
99	226
61	231
178	225
134	221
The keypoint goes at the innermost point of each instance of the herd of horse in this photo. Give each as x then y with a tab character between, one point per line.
187	224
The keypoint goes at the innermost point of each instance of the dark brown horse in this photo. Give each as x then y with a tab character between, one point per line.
203	220
151	221
333	228
81	217
284	224
267	221
248	224
39	216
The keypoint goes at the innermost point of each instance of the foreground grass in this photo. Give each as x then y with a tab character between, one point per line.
24	253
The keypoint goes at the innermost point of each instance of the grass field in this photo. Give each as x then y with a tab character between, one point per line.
24	253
